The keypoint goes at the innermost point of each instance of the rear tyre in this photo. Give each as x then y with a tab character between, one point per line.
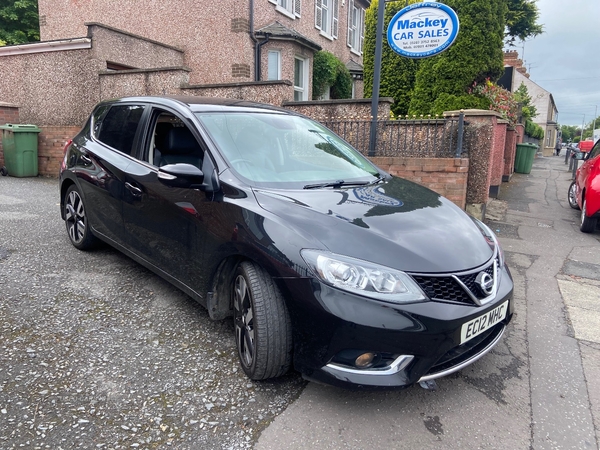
76	221
572	196
263	332
588	224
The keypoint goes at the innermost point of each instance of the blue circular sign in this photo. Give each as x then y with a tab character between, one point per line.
423	29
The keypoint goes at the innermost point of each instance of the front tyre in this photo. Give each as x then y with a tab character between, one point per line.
588	224
263	332
76	220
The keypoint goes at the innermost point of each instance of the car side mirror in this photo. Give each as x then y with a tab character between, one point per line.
181	175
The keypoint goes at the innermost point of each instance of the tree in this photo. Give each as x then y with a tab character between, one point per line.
521	95
19	21
521	20
443	81
569	132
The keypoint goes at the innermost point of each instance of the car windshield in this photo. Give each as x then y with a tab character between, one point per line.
286	151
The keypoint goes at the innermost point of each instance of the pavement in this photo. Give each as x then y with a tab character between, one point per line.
538	389
97	352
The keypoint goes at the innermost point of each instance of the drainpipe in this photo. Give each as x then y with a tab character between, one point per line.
257	55
255	41
257	45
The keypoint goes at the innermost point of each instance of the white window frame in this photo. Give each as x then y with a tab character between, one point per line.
289	8
327	13
277	54
302	89
356	30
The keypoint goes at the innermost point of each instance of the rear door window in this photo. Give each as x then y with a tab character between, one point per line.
119	127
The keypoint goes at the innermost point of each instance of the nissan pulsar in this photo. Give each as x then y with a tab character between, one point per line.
325	263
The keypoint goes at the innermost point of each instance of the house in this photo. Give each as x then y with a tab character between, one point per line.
229	41
515	74
259	50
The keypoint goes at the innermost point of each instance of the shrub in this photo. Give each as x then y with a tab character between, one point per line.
329	71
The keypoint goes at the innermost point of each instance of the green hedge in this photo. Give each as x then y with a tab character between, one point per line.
329	71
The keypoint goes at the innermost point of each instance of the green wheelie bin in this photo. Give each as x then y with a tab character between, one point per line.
20	146
524	157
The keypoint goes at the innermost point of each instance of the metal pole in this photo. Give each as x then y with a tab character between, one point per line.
594	126
582	124
376	77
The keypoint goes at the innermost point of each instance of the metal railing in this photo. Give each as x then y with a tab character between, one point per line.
422	138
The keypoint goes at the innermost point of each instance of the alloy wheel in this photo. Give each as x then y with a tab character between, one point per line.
75	217
244	321
573	196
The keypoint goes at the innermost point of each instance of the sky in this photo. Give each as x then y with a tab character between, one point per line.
565	59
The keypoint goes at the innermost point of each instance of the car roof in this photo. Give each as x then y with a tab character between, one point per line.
205	104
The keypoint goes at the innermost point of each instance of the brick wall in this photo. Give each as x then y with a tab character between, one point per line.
51	143
446	176
8	114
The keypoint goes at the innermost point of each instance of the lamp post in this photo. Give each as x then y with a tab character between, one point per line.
594	125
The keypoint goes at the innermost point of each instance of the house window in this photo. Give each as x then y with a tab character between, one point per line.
300	79
326	17
356	26
290	8
274	65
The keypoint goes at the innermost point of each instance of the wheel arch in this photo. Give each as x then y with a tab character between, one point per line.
65	185
219	301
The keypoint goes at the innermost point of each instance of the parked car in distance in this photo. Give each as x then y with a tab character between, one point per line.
325	262
584	191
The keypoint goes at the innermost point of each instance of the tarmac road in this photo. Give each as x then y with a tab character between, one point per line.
96	352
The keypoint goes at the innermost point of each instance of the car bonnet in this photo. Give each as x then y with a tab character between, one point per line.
396	223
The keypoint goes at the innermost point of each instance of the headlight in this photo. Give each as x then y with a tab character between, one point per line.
362	277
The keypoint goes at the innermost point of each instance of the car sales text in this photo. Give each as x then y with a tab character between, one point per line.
421	34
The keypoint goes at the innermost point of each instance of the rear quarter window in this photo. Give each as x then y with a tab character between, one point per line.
119	127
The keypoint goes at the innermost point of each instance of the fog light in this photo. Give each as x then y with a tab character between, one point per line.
365	360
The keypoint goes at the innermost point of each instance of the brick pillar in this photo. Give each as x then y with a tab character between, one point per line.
498	145
484	141
520	129
510	148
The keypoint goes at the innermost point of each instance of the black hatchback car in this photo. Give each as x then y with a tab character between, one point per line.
324	261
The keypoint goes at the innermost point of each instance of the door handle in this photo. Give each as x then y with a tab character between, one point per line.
135	191
86	159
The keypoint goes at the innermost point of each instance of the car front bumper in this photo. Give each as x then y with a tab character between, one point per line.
417	342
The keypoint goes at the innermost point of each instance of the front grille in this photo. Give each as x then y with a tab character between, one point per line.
443	289
447	288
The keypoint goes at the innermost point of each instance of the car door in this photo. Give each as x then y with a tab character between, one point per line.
165	225
103	163
587	169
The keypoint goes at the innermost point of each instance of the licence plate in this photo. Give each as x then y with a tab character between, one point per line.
478	325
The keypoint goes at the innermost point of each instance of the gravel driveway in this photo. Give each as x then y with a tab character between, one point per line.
97	352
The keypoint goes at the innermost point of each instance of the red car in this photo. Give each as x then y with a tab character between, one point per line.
584	192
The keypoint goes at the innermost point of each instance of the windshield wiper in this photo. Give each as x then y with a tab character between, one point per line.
336	184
